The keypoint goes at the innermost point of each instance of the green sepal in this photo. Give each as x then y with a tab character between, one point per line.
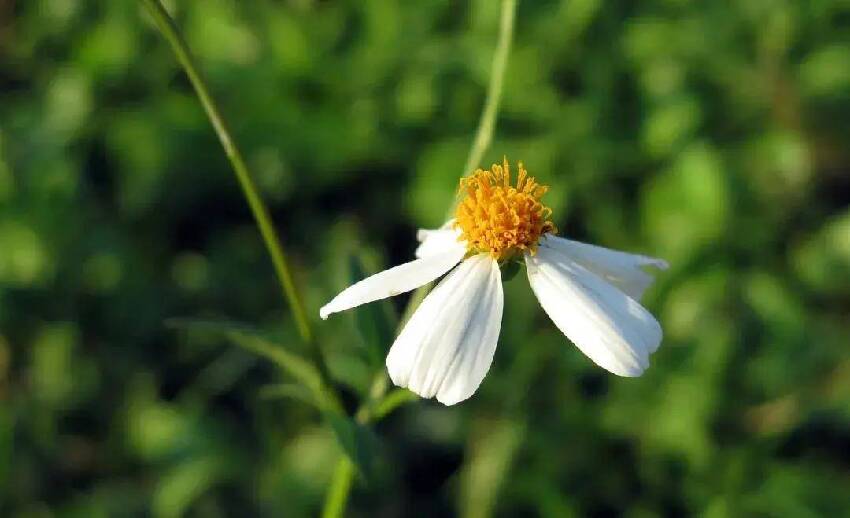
509	269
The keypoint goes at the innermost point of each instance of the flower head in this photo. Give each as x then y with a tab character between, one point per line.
499	219
590	293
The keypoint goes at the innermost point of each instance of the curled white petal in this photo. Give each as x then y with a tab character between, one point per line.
434	241
446	348
622	269
396	280
608	326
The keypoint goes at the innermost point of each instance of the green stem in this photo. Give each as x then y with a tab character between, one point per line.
343	476
169	31
370	410
339	489
487	123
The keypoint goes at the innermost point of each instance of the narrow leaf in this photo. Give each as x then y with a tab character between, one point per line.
243	336
375	322
357	441
396	398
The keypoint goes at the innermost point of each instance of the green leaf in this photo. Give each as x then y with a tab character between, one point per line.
391	401
375	322
292	364
357	441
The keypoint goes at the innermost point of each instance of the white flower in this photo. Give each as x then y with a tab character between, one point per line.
447	346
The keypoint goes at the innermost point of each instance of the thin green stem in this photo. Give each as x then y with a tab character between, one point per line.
487	123
379	404
343	476
170	32
340	487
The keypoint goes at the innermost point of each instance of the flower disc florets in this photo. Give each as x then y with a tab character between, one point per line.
499	219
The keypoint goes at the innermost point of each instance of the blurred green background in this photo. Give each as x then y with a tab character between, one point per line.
712	134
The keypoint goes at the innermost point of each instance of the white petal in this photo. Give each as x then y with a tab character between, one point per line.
446	348
449	224
396	280
622	269
608	326
434	241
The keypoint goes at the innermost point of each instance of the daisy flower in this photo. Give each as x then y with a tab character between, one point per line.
588	291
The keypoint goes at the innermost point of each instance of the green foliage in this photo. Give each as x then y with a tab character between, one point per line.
376	323
357	441
712	134
300	369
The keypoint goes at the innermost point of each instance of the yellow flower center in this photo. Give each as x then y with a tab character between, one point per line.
499	219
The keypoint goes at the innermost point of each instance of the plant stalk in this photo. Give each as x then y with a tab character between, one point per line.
166	26
343	477
487	123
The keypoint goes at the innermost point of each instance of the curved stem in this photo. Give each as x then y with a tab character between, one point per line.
487	123
169	31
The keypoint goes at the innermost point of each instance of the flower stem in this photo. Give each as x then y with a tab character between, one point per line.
340	487
343	477
487	123
166	26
